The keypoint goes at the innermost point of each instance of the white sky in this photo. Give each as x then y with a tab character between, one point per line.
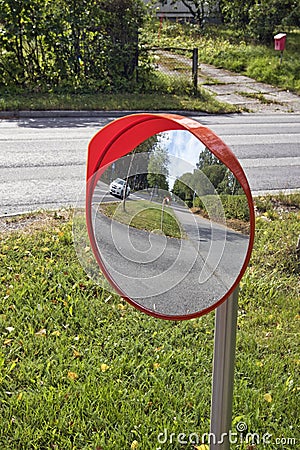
184	149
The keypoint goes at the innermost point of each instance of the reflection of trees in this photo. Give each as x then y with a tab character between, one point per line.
191	184
210	177
182	187
138	180
141	172
131	168
158	170
218	174
222	179
213	189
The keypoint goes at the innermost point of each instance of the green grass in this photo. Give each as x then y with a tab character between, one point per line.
162	99
145	215
81	369
272	203
174	64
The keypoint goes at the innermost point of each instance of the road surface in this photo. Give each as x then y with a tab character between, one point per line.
171	276
42	160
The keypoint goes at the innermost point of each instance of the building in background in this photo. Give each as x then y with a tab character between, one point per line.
178	11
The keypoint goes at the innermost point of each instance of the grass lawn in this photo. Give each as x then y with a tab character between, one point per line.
145	215
81	369
156	101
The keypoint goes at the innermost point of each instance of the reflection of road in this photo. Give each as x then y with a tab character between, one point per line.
168	275
222	249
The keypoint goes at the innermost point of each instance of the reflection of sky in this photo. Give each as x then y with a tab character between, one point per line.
184	149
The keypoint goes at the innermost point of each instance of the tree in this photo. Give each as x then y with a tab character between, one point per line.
210	176
218	174
23	27
236	12
158	168
139	180
207	158
260	18
266	15
182	187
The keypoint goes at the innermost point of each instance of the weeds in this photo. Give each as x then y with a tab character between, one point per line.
260	97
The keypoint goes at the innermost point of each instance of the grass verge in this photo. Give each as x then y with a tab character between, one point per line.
156	101
81	369
144	215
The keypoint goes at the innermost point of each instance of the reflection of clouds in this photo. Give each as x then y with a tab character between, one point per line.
177	168
185	148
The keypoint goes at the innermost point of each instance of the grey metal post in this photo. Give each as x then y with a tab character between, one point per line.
223	373
195	70
281	56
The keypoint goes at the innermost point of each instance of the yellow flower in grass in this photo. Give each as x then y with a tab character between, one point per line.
104	367
268	397
72	376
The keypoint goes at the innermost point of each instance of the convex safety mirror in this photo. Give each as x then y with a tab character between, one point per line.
169	215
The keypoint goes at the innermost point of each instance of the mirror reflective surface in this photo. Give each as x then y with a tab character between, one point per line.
171	226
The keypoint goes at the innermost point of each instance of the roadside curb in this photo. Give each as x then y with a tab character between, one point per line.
88	114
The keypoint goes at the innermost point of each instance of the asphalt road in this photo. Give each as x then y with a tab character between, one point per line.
164	274
42	160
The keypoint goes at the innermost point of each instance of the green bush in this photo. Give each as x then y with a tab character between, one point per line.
234	206
48	42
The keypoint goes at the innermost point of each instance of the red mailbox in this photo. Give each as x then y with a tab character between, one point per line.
279	41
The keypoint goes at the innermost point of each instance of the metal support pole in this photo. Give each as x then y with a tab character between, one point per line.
281	56
223	373
195	70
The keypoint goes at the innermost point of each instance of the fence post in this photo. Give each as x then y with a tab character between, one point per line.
195	70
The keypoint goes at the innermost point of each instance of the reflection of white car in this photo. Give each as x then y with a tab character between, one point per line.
117	187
